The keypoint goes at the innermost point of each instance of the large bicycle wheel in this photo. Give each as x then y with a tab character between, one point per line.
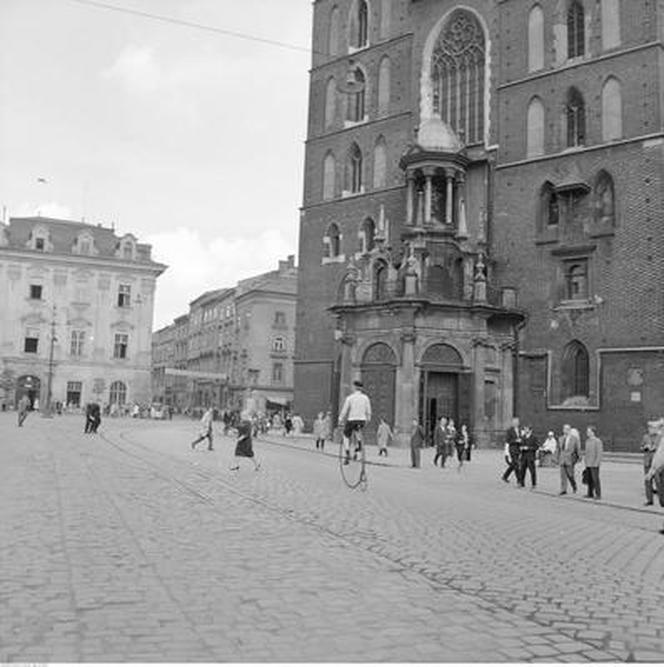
353	467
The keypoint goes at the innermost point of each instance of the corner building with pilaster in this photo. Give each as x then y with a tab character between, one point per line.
481	232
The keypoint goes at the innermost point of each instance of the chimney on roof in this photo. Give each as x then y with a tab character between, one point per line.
291	261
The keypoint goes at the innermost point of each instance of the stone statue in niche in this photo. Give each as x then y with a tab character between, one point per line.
604	202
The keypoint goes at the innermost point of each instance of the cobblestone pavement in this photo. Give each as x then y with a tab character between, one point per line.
129	546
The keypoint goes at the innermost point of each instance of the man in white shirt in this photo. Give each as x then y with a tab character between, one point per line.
354	415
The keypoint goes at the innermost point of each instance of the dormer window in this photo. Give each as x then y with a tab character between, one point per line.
40	244
126	248
127	251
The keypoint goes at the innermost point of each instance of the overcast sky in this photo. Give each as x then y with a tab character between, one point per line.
191	140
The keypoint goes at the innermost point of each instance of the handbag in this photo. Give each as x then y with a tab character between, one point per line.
585	476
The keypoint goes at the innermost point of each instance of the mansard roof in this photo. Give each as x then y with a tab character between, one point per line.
63	234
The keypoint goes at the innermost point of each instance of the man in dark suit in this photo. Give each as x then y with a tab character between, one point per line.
513	439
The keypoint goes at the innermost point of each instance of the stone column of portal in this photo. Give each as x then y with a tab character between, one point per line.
427	198
462	225
507	385
346	371
480	425
405	395
410	198
449	199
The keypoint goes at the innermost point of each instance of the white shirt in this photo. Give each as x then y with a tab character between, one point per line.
357	407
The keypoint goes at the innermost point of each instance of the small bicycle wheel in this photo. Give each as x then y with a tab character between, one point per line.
353	466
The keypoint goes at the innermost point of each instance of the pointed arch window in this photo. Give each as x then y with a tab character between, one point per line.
380	281
333	34
329	173
458	71
362	24
384	87
332	241
549	209
605	200
535	39
354	170
576	119
535	128
576	39
330	102
380	164
576	370
355	106
368	235
611	110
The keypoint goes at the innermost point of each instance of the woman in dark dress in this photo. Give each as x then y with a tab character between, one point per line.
244	447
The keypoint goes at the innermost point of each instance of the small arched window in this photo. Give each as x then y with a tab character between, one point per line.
611	110
118	393
384	87
535	128
362	24
380	164
354	170
380	281
576	119
576	370
610	24
355	103
604	196
576	39
535	39
330	102
549	209
329	172
368	235
333	34
333	241
576	280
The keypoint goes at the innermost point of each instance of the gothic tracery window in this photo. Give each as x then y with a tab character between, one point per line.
458	76
576	119
354	170
356	101
576	39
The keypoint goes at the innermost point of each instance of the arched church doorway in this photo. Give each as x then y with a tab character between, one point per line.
379	372
30	386
444	388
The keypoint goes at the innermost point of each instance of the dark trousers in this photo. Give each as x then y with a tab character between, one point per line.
512	467
203	437
22	417
440	456
656	484
320	443
414	457
528	464
567	474
594	487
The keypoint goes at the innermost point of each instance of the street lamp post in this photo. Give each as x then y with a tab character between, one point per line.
48	410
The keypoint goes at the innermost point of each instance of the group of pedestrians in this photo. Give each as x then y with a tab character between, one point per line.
447	440
522	450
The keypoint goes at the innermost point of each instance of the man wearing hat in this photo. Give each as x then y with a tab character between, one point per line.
355	414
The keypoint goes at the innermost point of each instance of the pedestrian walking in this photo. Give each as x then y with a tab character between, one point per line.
529	447
657	465
92	417
468	443
440	442
649	446
417	439
288	425
450	437
512	450
461	445
568	457
244	446
205	431
384	436
23	408
319	430
592	458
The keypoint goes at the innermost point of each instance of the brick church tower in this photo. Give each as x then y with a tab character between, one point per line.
481	228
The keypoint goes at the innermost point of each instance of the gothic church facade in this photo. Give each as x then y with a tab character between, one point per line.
481	233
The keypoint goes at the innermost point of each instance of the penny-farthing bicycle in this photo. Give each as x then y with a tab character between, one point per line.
354	466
